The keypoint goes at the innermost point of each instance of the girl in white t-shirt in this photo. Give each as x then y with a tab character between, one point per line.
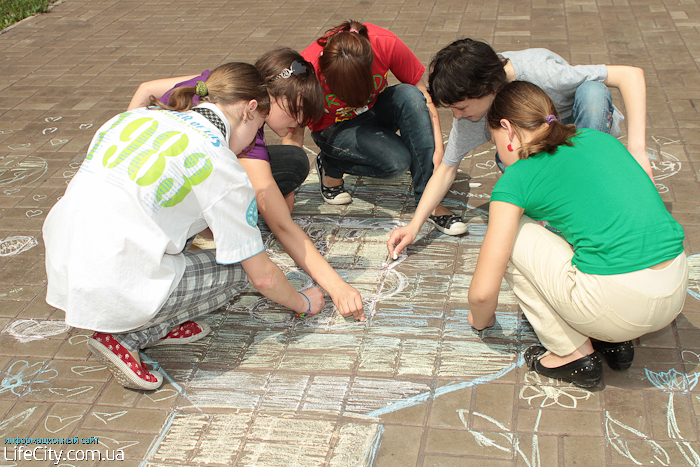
116	254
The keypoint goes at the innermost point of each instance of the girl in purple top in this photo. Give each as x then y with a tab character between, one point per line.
296	100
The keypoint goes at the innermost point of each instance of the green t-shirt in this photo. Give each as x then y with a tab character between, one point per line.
601	200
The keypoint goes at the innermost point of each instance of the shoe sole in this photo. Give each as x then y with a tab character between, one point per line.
120	370
206	329
343	198
458	228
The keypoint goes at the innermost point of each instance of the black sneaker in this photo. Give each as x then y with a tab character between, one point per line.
334	194
450	224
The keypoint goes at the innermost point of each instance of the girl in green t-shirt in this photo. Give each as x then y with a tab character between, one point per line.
618	270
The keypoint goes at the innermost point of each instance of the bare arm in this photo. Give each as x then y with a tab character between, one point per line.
295	242
158	87
630	81
270	281
435	191
435	120
491	265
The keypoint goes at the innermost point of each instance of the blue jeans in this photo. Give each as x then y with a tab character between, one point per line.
593	108
368	144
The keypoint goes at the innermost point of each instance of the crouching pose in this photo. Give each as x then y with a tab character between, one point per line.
617	272
620	270
116	255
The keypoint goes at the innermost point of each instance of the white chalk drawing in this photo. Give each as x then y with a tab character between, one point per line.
22	378
566	396
52	119
673	381
70	392
11	246
85	126
694	276
162	394
663	164
21	170
620	435
26	330
113	444
12	423
54	423
58	141
509	442
82	370
490	164
49	130
105	417
6	132
34	213
39	197
11	191
78	339
19	146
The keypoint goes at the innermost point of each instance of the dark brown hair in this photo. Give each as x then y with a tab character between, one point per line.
346	63
527	107
465	69
227	84
301	88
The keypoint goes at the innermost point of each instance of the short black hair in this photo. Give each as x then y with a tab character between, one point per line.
465	69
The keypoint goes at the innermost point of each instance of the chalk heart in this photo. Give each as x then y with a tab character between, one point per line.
79	339
486	165
17	147
34	212
57	141
85	126
661	188
52	119
25	330
11	191
39	197
105	417
68	174
75	165
110	443
162	394
49	130
82	369
5	132
70	392
54	423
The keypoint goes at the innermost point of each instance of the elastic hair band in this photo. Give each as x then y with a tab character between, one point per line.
551	118
304	314
296	68
201	89
354	30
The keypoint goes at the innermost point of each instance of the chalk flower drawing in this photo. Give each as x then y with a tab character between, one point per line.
11	246
621	445
512	442
562	396
673	381
21	376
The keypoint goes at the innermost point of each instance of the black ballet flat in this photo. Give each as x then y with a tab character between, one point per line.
618	355
586	372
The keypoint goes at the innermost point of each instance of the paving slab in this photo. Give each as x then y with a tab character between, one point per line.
415	385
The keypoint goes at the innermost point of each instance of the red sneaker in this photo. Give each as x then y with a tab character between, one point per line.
129	372
189	331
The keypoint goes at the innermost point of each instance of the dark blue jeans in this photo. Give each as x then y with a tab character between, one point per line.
368	144
289	165
593	108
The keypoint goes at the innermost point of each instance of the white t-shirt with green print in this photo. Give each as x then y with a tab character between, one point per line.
151	180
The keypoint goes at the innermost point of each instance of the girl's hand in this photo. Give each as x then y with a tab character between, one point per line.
316	298
479	327
399	239
348	301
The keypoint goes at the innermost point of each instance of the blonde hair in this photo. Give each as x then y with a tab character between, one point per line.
527	107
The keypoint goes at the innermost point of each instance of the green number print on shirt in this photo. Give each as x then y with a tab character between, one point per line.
148	161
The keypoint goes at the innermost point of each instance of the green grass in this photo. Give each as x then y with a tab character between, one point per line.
17	10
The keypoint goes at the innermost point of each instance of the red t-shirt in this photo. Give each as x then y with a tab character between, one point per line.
390	54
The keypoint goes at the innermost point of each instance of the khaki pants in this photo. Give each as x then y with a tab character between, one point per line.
566	306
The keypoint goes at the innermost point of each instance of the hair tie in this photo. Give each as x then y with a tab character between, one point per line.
551	118
296	68
201	89
354	30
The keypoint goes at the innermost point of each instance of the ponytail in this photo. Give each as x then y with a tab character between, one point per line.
527	107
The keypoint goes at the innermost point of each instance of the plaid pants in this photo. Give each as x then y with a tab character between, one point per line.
205	286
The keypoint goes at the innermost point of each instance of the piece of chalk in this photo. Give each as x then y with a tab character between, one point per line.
396	256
